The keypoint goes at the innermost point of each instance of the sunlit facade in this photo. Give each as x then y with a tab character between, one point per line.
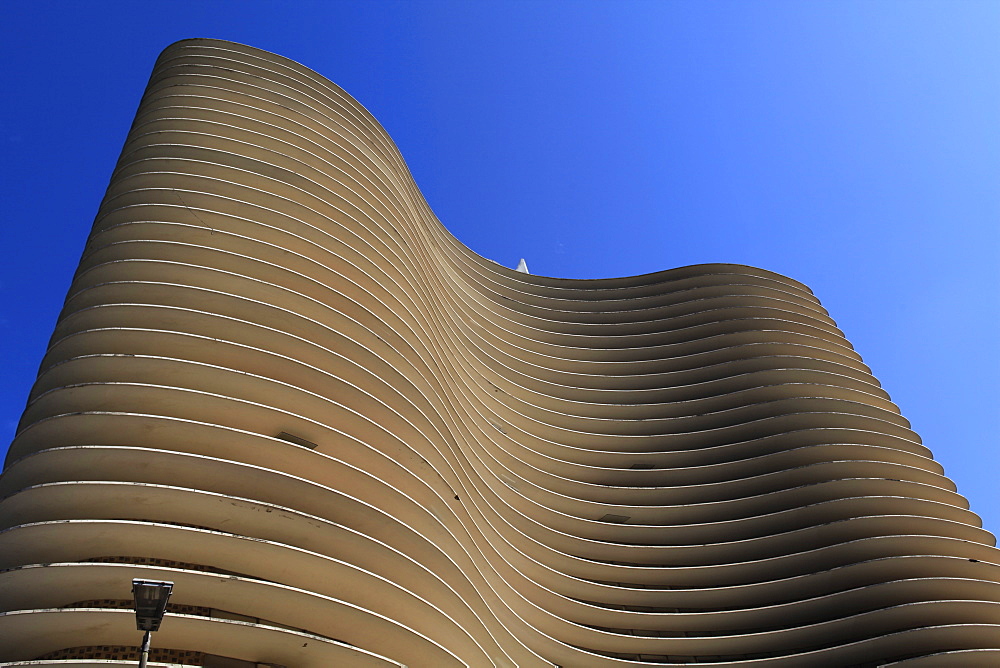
281	384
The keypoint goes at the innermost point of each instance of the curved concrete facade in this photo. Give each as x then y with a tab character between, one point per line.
279	382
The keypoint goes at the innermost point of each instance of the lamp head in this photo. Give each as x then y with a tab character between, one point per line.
150	602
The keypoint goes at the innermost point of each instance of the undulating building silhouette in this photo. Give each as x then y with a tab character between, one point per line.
348	440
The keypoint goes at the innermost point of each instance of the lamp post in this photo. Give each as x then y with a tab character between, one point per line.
150	603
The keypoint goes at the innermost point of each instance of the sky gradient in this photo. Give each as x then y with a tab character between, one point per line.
853	146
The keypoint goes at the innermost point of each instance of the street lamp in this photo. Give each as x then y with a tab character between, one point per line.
150	603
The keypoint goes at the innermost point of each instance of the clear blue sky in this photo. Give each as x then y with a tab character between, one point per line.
854	146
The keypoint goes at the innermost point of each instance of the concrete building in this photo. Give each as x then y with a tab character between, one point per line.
348	440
